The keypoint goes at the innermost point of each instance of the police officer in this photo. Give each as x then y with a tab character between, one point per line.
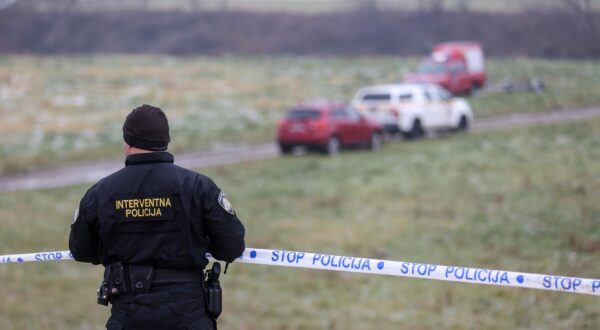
150	225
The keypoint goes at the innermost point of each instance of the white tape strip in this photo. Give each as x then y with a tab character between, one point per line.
382	267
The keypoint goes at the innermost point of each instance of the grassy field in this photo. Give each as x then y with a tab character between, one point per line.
61	109
522	200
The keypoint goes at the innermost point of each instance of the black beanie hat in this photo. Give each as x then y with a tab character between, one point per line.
147	127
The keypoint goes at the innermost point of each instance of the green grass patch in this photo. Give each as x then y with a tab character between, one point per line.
569	84
521	200
69	108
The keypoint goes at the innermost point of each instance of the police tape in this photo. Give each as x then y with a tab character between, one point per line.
381	267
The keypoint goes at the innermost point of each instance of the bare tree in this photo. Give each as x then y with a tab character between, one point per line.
6	3
531	5
225	5
583	11
71	5
580	6
144	5
463	5
195	5
370	4
431	5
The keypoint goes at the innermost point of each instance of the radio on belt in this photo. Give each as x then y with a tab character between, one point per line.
213	291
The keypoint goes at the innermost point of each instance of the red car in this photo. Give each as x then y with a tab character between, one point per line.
327	127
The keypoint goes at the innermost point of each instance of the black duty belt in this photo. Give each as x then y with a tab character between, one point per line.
168	276
122	279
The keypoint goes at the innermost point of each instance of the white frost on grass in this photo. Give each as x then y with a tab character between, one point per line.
69	101
58	142
41	116
251	115
136	91
221	116
7	93
562	139
85	140
37	138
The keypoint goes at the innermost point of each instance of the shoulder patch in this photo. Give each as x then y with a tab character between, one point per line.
225	204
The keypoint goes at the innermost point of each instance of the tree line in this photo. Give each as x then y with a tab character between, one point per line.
548	33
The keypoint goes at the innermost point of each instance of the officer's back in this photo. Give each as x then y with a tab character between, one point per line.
150	225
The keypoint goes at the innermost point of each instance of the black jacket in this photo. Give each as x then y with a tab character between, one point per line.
153	212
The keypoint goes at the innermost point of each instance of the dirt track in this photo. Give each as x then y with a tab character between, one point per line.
91	172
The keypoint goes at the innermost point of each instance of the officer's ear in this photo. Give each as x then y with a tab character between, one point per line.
126	149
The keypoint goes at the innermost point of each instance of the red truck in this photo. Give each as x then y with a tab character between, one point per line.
458	66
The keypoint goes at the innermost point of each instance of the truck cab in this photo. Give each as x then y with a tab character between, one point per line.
457	66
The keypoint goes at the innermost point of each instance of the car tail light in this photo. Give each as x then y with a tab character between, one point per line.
318	126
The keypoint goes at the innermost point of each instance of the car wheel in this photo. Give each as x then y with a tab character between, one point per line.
463	124
285	149
416	131
333	146
474	89
376	141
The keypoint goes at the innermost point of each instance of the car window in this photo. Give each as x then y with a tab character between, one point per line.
338	114
427	95
457	68
352	115
444	94
303	114
405	97
428	67
434	95
377	97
